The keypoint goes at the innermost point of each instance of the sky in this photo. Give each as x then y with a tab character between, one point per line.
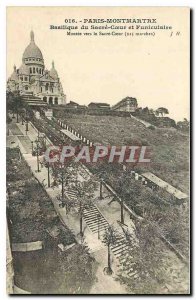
155	70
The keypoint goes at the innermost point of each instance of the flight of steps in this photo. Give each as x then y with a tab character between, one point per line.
95	219
121	249
32	100
91	214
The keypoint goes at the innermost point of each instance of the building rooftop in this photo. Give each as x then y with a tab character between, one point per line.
126	99
99	104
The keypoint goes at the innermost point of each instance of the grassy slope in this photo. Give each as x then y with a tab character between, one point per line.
169	149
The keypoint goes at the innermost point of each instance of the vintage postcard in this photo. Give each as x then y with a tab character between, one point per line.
97	127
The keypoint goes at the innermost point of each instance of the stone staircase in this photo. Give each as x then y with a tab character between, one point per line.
97	222
32	100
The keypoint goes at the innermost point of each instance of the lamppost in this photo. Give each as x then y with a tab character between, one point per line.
48	167
17	121
22	120
27	128
103	177
44	142
62	182
101	189
37	154
32	147
27	121
98	226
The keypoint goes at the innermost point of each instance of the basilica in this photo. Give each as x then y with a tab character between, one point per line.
33	79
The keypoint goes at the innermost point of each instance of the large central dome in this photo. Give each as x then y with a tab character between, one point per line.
32	51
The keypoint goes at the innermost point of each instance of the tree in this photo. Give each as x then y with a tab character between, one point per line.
9	100
151	111
123	191
126	187
109	239
102	175
146	257
63	174
162	111
183	125
145	110
84	192
175	227
14	102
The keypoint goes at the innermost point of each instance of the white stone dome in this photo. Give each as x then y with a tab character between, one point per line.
32	50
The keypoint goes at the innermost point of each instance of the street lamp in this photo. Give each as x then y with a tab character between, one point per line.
101	189
32	147
98	226
27	128
27	121
102	177
37	154
44	141
62	182
48	167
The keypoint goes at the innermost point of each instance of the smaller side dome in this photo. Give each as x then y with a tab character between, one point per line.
14	75
53	72
24	70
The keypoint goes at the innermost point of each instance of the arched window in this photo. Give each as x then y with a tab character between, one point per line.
41	88
45	99
26	88
47	85
30	71
37	70
56	100
50	100
33	70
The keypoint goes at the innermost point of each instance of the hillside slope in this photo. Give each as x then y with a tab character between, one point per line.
169	148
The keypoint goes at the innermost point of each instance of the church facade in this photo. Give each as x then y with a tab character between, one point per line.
32	78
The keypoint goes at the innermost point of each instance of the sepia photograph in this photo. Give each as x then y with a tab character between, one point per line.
97	150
